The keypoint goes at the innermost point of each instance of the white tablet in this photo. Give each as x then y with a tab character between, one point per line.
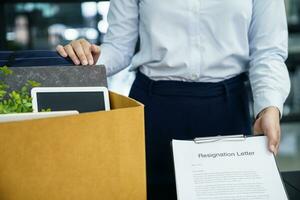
82	99
30	116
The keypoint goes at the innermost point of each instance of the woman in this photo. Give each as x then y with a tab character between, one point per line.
191	70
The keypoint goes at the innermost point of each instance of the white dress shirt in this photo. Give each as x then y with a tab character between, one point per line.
202	41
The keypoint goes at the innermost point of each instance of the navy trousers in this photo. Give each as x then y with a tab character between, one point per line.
184	110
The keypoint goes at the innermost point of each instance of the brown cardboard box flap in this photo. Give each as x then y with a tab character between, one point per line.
98	155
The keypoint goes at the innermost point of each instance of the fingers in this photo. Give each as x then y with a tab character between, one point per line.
257	127
278	140
269	124
69	50
96	52
271	132
273	135
60	49
79	51
87	51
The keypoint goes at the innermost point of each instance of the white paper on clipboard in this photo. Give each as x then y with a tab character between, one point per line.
226	168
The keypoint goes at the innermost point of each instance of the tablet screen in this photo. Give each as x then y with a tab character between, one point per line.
80	101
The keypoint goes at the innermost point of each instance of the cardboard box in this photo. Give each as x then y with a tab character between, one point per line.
91	156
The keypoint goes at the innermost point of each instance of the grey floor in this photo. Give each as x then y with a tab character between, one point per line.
288	158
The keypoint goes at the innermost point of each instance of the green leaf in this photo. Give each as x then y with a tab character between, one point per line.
2	93
24	89
3	86
46	110
4	70
16	101
28	105
33	83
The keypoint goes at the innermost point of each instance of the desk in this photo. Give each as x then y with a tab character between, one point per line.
292	184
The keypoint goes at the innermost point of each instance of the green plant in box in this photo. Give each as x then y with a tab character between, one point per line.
17	101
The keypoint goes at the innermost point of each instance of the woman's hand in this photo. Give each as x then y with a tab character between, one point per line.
268	123
80	51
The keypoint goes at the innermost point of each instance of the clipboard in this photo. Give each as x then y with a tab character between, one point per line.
200	140
218	140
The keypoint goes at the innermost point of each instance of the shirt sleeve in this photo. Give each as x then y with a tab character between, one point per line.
120	40
268	43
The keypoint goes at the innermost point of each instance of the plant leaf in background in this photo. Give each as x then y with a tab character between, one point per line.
5	71
18	101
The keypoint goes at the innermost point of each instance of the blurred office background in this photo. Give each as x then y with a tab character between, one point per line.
45	24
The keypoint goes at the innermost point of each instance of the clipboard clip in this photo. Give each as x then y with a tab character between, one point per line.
220	138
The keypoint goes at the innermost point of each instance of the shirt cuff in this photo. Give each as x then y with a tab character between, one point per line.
267	99
110	59
102	61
